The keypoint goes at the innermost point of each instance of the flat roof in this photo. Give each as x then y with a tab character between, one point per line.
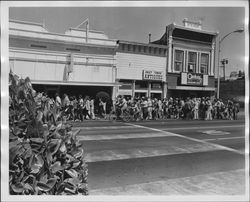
141	44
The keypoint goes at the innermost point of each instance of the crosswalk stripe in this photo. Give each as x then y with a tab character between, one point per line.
192	139
205	127
104	127
121	154
121	136
223	138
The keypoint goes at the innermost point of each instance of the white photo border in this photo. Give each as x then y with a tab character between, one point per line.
5	96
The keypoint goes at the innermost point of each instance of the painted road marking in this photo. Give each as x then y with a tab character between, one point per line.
121	136
224	138
131	153
205	127
214	132
179	128
190	138
104	127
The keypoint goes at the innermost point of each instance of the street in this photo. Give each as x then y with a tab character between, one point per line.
164	157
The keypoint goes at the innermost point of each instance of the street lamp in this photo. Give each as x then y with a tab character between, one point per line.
218	68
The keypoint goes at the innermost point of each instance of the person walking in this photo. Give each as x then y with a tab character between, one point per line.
92	108
208	112
196	109
58	103
144	106
150	109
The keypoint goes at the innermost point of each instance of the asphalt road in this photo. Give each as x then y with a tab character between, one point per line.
164	157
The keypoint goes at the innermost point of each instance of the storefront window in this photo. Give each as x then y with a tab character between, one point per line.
192	60
204	63
178	61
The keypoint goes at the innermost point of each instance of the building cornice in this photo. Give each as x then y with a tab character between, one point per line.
57	34
63	41
173	26
141	44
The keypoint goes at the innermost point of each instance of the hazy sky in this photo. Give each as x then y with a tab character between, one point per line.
135	23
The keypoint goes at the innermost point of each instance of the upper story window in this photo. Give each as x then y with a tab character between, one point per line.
129	47
204	63
149	49
123	47
178	60
192	62
155	49
134	48
139	48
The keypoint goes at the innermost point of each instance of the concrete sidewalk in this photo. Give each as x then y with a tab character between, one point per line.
220	183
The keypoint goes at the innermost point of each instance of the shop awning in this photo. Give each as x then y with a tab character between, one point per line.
74	83
196	88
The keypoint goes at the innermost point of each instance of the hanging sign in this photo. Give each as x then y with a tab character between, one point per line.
152	75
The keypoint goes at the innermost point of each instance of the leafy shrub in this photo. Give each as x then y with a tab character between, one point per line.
44	158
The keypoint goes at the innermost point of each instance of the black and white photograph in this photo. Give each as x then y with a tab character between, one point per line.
125	101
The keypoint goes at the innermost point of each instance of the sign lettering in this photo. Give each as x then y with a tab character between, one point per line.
152	75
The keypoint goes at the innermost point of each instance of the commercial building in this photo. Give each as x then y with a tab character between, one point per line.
81	61
141	69
190	60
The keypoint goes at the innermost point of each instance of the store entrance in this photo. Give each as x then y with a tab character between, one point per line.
140	95
156	95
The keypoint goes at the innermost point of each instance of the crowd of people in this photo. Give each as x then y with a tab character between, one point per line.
174	108
144	108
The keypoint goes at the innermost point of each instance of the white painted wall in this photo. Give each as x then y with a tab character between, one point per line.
130	66
50	67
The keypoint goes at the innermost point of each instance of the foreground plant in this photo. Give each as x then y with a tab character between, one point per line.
43	158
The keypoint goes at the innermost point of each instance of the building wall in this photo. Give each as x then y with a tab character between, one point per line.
130	66
44	66
175	80
45	56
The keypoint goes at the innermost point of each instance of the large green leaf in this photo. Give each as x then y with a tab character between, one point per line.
72	173
36	163
56	167
43	187
18	187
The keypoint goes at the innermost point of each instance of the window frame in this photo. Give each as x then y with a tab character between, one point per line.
208	63
183	61
196	61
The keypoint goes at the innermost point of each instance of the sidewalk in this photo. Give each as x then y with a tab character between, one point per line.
220	183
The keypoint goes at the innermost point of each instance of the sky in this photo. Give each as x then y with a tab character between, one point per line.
135	23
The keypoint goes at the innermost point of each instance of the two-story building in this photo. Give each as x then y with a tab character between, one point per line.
141	69
190	60
81	61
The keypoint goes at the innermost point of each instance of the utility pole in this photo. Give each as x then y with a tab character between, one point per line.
218	68
87	28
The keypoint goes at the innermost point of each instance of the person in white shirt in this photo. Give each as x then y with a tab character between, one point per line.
196	109
150	105
58	103
92	108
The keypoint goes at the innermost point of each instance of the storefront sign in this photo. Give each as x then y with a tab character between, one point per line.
152	75
194	79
